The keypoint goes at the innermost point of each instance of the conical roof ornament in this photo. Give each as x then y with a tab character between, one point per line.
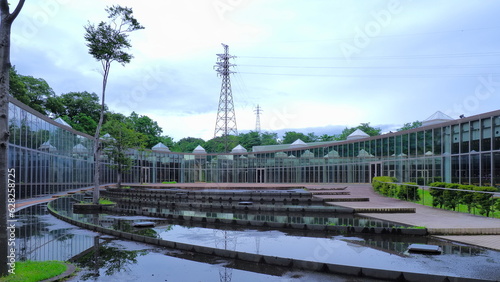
239	149
357	134
61	121
80	149
160	147
46	146
437	117
199	150
298	143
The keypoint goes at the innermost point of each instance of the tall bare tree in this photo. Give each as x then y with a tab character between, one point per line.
107	43
7	18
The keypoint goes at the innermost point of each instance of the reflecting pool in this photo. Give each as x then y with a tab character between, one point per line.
383	251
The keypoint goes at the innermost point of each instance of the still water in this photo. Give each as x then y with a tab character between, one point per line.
48	238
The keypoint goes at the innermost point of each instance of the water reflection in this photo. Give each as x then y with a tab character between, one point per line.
39	236
107	259
383	251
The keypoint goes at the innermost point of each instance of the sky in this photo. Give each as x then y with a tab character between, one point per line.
312	66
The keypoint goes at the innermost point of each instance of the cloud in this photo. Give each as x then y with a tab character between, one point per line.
171	78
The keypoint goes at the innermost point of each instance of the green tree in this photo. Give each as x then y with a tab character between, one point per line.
250	139
365	127
33	92
188	144
218	144
148	127
291	136
6	20
115	148
107	43
81	110
408	125
167	141
325	137
269	138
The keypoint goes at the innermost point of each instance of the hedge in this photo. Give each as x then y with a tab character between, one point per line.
406	191
441	198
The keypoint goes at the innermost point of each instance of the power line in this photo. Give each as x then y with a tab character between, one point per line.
456	55
377	67
376	75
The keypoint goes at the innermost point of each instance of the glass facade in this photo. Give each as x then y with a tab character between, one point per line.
50	157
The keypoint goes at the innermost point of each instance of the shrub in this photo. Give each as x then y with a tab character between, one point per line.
408	192
451	197
437	194
485	201
467	198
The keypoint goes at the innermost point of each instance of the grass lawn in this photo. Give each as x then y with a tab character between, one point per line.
104	201
32	271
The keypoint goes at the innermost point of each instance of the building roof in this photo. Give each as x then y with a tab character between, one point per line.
297	143
47	146
80	149
239	149
61	121
160	147
199	150
437	117
357	134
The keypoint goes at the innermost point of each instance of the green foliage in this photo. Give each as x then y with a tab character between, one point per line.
187	145
106	201
169	182
384	186
408	125
217	145
269	138
291	136
32	271
115	148
80	110
437	194
408	192
34	92
108	41
485	201
365	127
250	139
145	125
450	199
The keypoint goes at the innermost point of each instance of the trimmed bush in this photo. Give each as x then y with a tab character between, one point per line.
408	192
437	194
485	201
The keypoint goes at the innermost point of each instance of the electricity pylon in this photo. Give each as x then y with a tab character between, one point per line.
226	118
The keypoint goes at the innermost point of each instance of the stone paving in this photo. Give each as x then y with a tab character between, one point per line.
450	225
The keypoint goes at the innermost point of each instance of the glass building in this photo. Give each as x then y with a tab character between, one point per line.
51	157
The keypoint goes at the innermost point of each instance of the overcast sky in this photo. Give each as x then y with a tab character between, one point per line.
312	66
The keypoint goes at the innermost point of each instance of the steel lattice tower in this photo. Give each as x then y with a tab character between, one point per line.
257	111
226	118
